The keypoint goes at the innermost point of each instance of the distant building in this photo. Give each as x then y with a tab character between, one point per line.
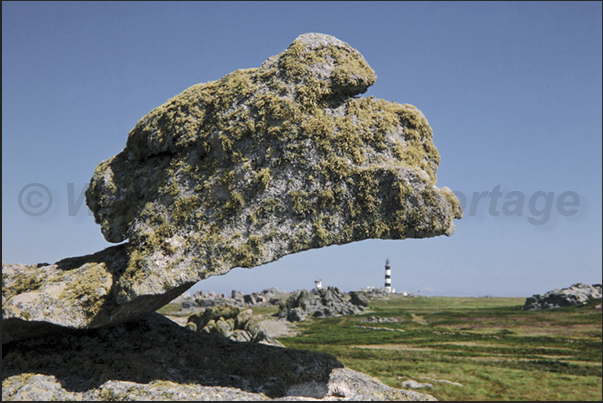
388	278
318	284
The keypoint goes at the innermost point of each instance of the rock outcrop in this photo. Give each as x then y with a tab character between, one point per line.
359	298
232	323
78	292
202	299
239	172
321	303
577	294
153	358
374	292
378	319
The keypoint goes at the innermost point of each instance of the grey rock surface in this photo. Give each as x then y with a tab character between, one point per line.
75	292
231	322
343	385
374	292
359	298
202	299
376	319
153	358
321	303
447	382
577	294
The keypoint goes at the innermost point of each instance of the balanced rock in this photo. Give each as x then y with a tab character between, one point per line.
577	294
241	171
267	162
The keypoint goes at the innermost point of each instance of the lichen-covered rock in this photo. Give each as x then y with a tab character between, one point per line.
266	162
74	292
154	358
230	322
577	294
318	303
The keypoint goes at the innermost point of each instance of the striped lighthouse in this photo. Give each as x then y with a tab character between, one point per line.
388	277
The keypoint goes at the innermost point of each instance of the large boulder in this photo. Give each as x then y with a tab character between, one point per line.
239	172
577	294
267	162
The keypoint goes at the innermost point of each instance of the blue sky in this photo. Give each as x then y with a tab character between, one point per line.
512	91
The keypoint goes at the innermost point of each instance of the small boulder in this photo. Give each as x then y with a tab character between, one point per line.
243	317
577	294
359	298
416	385
319	303
238	172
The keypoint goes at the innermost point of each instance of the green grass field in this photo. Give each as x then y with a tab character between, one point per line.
490	346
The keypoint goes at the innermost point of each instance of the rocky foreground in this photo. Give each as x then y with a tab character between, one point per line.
154	358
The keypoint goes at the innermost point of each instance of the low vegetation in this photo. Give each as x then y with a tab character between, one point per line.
490	346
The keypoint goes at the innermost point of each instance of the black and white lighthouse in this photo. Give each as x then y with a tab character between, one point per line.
388	277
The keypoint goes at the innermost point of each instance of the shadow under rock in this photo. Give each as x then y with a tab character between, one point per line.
155	348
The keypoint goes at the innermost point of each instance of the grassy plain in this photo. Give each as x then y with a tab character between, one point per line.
490	346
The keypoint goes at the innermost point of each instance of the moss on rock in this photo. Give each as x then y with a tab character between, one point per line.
219	175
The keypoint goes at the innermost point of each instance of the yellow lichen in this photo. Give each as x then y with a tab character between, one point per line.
229	140
91	287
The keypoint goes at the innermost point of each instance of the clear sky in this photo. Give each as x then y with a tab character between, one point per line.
512	91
